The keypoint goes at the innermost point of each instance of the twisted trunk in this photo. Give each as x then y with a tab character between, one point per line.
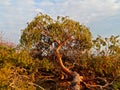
59	58
75	84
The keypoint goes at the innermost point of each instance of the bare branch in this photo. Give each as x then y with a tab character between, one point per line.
100	86
36	85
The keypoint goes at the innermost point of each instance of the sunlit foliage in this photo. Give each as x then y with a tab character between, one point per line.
33	61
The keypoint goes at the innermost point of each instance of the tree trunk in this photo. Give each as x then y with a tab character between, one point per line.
75	84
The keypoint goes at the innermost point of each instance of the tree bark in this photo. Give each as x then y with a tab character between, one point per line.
75	84
59	58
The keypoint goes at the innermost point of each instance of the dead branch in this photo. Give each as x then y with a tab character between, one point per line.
36	85
100	86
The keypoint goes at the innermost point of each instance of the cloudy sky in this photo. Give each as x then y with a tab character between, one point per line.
101	16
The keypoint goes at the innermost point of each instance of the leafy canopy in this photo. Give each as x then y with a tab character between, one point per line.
44	33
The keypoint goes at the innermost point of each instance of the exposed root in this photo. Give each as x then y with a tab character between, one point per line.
101	87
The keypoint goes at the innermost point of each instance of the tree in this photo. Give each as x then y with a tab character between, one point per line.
107	46
57	37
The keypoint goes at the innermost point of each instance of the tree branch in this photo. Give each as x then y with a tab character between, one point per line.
64	69
100	86
36	85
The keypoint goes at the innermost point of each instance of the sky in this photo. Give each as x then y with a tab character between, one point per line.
101	16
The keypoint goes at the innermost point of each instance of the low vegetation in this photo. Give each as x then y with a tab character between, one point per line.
60	55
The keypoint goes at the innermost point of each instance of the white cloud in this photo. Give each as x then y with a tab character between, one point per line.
16	13
82	10
14	17
5	2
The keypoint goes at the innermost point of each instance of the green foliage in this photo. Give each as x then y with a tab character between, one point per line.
44	34
116	84
106	58
32	33
107	46
104	66
46	64
46	31
16	69
20	66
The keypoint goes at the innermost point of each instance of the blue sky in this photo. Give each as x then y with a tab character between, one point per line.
101	16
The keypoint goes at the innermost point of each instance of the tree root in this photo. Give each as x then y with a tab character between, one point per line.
101	87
